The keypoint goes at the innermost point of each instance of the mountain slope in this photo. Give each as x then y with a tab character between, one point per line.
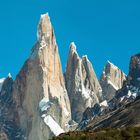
81	83
39	90
123	108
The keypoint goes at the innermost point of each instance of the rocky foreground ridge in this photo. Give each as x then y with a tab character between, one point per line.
42	102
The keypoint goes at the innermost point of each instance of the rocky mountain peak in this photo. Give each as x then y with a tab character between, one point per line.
44	27
81	83
42	103
72	47
85	58
111	80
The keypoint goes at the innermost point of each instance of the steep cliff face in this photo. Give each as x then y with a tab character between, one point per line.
8	128
82	85
123	108
134	70
131	87
111	80
42	103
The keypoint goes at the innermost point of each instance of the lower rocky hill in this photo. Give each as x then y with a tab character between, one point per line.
128	115
130	133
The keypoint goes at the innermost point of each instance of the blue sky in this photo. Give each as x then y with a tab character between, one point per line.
102	29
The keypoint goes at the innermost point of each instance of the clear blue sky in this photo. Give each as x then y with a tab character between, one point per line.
102	29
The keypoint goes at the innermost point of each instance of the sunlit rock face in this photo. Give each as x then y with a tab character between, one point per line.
111	80
42	103
82	84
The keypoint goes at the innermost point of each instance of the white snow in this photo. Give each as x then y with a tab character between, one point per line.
9	75
122	98
43	115
1	82
73	44
129	94
115	87
100	90
43	15
86	58
66	112
104	103
85	93
44	104
134	95
53	125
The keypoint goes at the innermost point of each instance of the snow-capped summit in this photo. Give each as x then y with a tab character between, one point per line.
72	46
9	75
85	58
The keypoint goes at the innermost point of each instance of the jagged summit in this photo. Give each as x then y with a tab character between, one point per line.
111	64
85	58
45	38
81	83
9	75
72	46
72	49
111	80
44	27
41	82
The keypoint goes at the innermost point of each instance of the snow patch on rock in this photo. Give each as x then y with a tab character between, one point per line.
85	92
104	103
9	75
1	82
115	87
45	104
53	125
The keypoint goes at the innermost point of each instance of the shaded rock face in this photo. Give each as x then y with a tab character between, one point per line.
121	117
131	87
3	135
91	113
111	80
6	91
42	103
8	127
134	70
82	85
123	108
